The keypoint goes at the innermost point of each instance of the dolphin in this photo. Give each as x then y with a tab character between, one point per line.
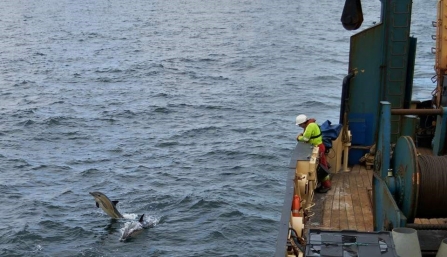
106	205
133	228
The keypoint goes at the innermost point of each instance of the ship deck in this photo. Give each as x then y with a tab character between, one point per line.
348	205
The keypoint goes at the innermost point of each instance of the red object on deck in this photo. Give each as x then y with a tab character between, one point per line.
296	206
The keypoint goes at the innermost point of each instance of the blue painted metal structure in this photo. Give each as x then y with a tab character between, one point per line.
382	160
387	214
382	58
381	66
440	133
397	178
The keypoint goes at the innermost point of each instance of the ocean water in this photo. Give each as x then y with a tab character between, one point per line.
181	110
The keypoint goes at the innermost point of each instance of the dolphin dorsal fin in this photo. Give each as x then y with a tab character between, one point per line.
141	219
97	204
115	203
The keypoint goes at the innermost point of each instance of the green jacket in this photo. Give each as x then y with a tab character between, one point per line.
312	135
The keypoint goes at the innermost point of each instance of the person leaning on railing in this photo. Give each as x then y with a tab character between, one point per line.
312	135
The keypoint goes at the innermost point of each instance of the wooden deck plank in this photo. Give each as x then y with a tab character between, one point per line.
365	198
350	213
354	170
335	218
343	205
366	209
356	203
434	221
327	211
347	205
350	217
328	203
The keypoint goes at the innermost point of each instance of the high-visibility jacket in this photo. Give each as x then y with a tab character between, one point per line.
312	135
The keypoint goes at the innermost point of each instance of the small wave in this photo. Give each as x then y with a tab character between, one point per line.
226	153
148	220
187	199
207	78
54	229
55	120
242	130
110	120
21	113
316	104
142	168
76	135
18	163
199	131
163	95
23	83
130	216
152	73
105	80
52	167
109	70
216	235
125	114
231	214
162	110
67	192
207	204
328	78
116	150
46	138
11	196
26	123
58	102
89	172
167	144
216	107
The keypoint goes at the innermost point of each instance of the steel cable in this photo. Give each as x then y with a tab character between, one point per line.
432	201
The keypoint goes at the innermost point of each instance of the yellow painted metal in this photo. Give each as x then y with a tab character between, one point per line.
306	178
441	37
305	184
334	157
297	224
441	47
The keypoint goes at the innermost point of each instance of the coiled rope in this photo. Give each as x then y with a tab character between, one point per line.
432	200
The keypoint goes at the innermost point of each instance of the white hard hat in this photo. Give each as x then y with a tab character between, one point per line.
301	119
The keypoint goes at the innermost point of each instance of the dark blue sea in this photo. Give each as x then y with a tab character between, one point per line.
180	110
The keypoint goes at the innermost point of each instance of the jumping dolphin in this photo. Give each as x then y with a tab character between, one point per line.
106	205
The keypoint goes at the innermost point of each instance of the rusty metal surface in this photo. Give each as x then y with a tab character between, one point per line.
406	171
416	111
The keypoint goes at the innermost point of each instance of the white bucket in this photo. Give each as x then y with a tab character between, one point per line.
442	251
407	242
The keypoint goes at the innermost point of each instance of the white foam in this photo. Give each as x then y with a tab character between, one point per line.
130	216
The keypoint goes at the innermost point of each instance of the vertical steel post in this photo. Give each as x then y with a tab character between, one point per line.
384	140
440	133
